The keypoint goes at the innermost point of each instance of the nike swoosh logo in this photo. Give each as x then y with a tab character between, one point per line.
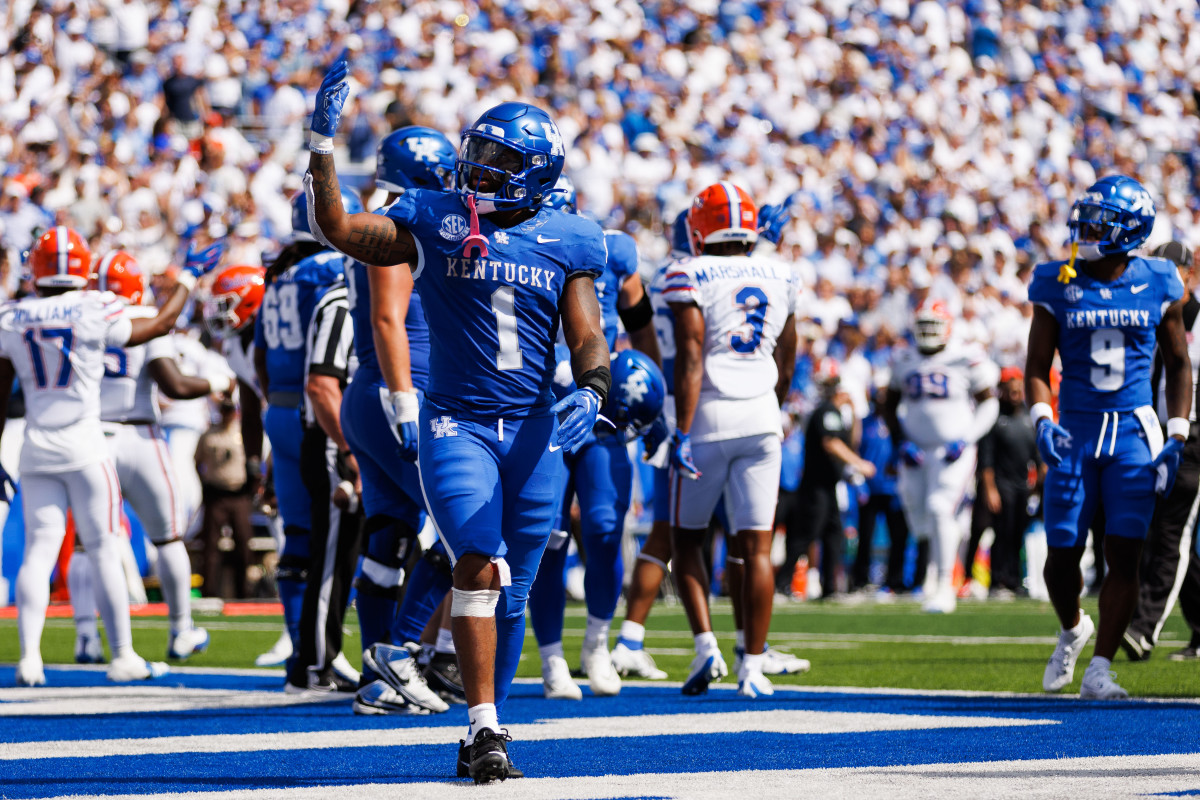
541	240
1137	289
554	448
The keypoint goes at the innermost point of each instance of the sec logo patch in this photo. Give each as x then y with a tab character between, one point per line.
1073	293
454	228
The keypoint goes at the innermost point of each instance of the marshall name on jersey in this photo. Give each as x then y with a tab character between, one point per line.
1107	332
937	391
745	301
57	346
493	320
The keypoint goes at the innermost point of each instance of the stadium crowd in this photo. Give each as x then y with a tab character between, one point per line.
925	150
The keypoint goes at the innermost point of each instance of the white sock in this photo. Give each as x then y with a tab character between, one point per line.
548	651
752	665
1078	625
175	575
633	632
596	633
740	638
1100	663
482	716
445	641
706	643
83	595
112	596
33	590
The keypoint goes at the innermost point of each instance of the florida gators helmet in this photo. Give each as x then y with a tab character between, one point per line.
60	259
563	196
119	273
1115	215
235	297
638	389
301	232
510	158
414	157
722	213
931	327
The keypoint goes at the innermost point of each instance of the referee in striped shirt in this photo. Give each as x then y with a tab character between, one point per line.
1170	571
330	474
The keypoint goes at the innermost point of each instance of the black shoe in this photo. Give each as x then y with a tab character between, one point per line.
327	680
1189	653
463	769
1136	647
489	756
443	677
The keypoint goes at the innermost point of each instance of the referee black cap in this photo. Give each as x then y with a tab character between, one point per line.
1176	252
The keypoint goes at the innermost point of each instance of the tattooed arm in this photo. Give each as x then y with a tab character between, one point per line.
370	238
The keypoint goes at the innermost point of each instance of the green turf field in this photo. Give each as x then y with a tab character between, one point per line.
983	647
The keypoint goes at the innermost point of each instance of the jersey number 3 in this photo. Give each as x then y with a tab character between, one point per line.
753	302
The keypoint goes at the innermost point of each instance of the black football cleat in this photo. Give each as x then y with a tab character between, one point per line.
463	768
489	756
443	677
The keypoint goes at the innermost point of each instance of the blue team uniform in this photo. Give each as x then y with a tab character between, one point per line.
1106	341
281	330
599	474
491	480
664	327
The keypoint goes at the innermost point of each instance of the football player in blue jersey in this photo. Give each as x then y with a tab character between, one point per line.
601	477
379	419
1104	311
497	273
296	280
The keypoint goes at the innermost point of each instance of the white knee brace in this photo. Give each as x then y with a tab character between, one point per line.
481	603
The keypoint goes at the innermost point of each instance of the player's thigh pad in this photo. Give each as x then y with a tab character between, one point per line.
912	485
148	481
753	485
693	501
662	494
285	430
44	505
94	496
1127	482
948	483
1072	487
604	484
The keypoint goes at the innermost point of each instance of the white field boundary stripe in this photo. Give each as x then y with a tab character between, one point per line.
867	638
765	721
94	700
1107	776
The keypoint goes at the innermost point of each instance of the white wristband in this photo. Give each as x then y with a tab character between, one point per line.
187	280
319	143
406	406
219	383
1179	426
1039	412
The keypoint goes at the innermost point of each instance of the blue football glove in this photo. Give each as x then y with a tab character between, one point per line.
911	454
202	262
1049	435
681	455
581	407
331	96
654	436
402	410
772	219
954	450
1166	464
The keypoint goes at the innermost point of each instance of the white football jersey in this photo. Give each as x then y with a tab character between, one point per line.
938	391
241	360
56	346
194	359
128	393
745	301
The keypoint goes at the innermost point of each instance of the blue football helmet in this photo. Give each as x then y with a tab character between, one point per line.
638	389
301	232
414	157
1115	215
562	196
680	237
510	158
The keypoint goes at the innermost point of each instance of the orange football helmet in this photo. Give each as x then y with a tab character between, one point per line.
722	213
234	299
931	329
60	259
119	273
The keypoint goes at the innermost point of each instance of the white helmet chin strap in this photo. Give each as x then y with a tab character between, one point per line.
1089	251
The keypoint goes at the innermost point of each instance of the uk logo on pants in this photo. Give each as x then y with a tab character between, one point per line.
443	426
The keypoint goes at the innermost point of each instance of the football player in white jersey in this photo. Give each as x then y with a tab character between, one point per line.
940	402
55	344
735	341
133	376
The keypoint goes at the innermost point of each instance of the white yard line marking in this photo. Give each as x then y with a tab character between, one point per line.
763	721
